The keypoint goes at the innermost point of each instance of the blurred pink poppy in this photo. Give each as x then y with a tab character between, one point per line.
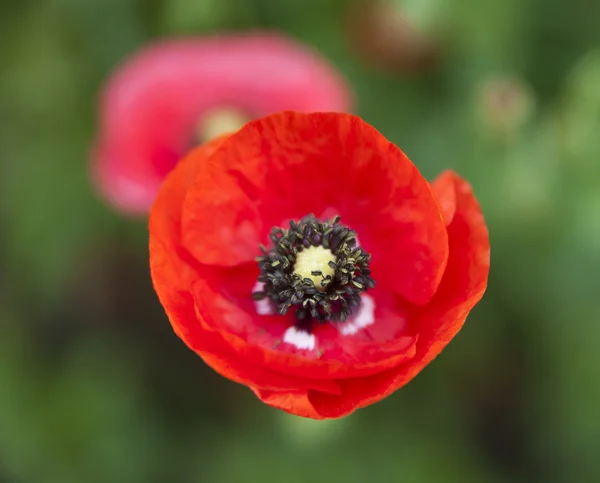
178	93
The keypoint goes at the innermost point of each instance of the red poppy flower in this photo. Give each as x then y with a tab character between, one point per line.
365	272
175	94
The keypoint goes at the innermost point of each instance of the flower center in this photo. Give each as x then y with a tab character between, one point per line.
219	121
313	263
317	268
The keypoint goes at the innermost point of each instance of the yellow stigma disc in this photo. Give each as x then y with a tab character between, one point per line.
313	259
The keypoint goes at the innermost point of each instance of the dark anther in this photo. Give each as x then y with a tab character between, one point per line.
338	294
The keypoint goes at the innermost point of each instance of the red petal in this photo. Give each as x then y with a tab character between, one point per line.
293	402
229	311
463	285
445	191
173	274
222	355
289	165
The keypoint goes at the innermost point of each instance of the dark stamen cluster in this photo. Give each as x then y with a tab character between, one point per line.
286	288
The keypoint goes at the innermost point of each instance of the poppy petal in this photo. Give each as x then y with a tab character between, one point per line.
220	354
291	164
173	273
444	190
171	276
260	339
463	285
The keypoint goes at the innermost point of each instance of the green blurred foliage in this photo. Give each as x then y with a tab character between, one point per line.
95	387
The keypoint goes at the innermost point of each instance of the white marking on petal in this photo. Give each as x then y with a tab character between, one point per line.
361	319
299	338
264	306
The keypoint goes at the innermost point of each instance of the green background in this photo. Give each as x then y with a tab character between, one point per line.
94	387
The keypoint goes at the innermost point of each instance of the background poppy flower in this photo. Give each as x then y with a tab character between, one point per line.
175	94
429	258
